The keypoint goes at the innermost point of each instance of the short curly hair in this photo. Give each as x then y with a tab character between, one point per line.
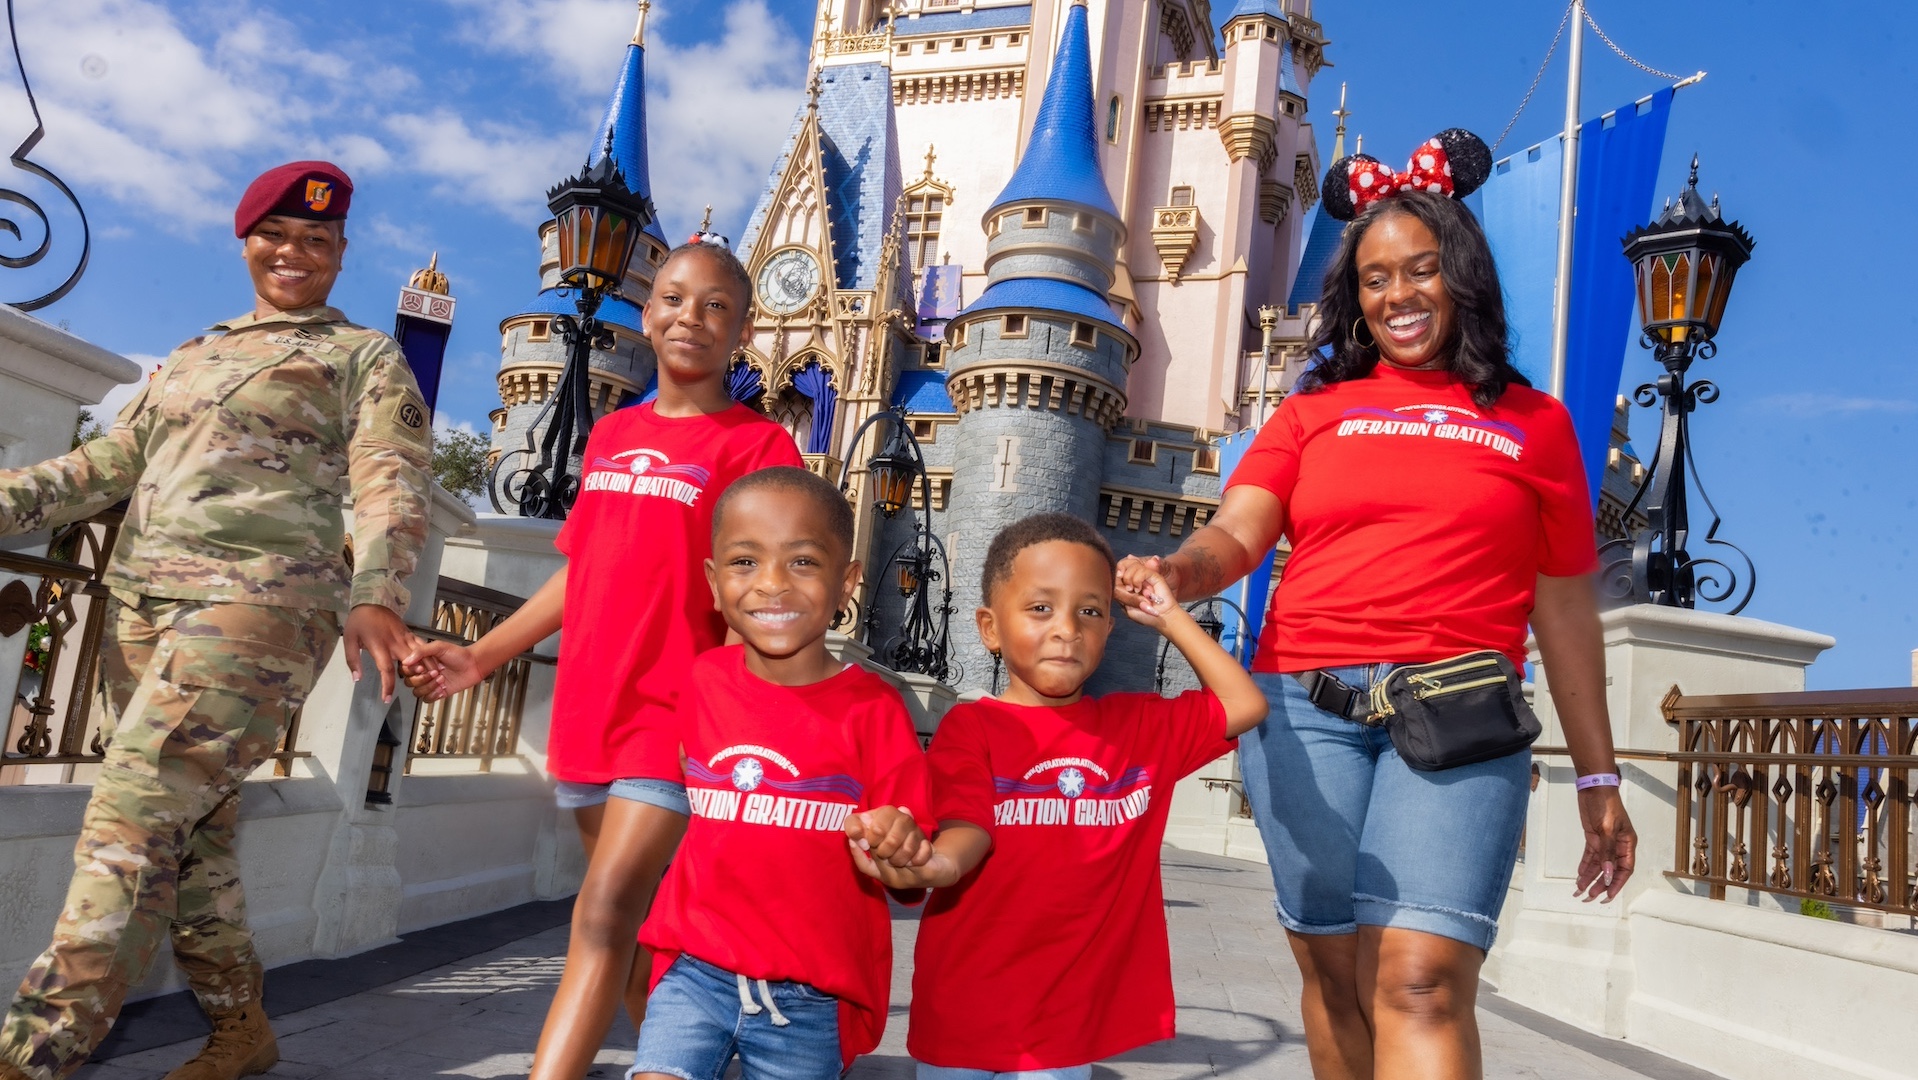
831	502
1030	531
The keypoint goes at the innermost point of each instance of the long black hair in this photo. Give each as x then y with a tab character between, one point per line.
1477	354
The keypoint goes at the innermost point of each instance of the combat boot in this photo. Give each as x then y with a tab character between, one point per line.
242	1044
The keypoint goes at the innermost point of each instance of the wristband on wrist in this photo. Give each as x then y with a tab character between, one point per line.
1597	779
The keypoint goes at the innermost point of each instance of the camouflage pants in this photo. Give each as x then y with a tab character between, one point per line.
197	696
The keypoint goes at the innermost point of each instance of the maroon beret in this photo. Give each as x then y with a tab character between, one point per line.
315	190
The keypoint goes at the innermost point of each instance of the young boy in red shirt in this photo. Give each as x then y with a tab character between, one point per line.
768	944
1052	953
633	614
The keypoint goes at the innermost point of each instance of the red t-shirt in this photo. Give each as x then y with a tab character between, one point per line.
638	607
763	885
1419	520
1053	953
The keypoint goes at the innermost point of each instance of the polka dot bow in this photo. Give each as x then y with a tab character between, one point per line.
1452	163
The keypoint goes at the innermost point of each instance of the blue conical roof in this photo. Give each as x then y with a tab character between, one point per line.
1061	162
622	133
1254	7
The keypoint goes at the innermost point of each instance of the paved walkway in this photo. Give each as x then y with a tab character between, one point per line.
467	1001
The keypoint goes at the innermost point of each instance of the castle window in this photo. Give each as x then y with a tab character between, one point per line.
1291	109
1112	119
957	336
1082	223
932	46
1014	39
1015	326
1271	32
992	227
1143	452
924	212
986	42
1182	196
905	48
958	44
1035	217
933	356
541	330
1205	460
1084	334
925	431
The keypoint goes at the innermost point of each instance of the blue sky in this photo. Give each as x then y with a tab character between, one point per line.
455	115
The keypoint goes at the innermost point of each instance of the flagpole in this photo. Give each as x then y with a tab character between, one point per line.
1567	208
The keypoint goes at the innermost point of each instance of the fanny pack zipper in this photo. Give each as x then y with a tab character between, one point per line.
1438	690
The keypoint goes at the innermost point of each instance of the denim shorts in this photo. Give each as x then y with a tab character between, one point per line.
665	794
1357	837
941	1072
700	1016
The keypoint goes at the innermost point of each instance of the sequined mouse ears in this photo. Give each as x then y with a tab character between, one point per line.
1452	163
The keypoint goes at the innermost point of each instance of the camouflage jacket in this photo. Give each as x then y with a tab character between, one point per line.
236	456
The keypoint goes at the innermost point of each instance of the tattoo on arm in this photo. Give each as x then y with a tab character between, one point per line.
1207	576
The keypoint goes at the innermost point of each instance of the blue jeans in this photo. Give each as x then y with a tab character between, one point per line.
699	1017
1357	837
665	794
941	1072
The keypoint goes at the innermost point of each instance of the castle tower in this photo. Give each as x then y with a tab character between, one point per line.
532	354
1037	364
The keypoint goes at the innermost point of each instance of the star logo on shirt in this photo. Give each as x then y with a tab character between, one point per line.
747	773
1437	416
1072	783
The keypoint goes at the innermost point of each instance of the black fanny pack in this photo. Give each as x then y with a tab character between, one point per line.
1440	715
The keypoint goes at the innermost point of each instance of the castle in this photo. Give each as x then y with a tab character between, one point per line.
1069	237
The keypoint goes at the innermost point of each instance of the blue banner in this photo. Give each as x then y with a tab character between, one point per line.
1251	592
1617	170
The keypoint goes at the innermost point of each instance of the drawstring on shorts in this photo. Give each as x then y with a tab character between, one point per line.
752	1008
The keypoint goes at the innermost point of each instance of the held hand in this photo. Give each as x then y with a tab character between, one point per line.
375	629
1151	601
1611	845
1135	570
889	834
439	669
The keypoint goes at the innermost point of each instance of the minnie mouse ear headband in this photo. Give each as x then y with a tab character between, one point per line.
1452	163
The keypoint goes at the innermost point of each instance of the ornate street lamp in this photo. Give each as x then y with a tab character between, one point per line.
1684	262
1206	613
920	645
598	221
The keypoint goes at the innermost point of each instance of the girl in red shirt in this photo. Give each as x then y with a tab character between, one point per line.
636	543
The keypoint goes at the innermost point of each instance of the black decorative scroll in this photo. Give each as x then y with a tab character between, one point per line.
19	198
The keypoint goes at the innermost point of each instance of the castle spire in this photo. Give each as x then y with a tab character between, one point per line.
1338	137
621	135
1061	159
639	31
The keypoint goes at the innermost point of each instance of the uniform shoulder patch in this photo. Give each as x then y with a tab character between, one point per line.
402	416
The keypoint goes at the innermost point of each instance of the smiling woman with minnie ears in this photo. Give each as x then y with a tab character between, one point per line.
1436	505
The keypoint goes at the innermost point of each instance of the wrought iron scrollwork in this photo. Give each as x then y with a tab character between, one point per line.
1205	612
921	643
542	484
1658	565
10	225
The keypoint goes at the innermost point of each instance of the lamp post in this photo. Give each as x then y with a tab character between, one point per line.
1684	263
920	645
599	220
1206	613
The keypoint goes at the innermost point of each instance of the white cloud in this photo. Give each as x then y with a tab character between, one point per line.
1807	404
494	164
716	111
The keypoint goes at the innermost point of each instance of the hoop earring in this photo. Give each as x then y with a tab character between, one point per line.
1356	323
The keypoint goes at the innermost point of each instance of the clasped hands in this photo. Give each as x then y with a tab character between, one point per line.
888	846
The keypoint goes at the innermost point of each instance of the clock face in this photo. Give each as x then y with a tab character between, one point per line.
788	281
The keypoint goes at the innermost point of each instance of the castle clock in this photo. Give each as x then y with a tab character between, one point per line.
788	281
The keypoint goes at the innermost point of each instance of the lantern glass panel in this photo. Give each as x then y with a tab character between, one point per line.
908	577
1702	298
1720	295
1660	308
